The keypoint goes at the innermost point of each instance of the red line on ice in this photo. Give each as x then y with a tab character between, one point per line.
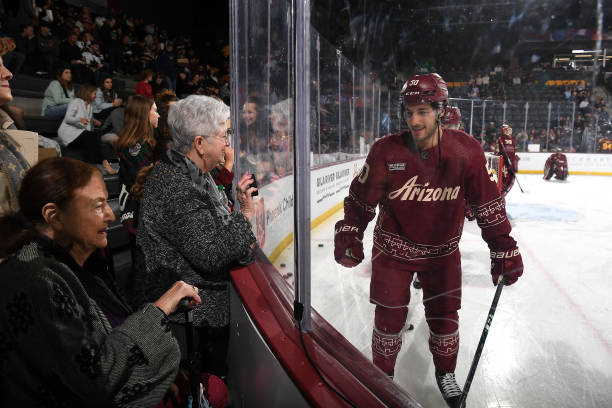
568	298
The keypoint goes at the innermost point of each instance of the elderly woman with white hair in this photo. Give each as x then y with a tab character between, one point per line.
186	231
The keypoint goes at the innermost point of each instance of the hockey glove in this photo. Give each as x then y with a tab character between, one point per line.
348	245
469	213
508	263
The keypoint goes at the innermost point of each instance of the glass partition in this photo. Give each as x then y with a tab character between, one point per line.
496	62
263	113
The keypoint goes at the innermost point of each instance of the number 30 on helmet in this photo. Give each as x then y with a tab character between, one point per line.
429	89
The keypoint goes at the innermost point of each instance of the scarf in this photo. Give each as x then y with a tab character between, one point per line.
12	164
203	182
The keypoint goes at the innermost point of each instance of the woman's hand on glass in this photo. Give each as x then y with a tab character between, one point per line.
244	196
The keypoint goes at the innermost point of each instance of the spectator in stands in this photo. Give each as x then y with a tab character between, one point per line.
159	83
72	55
135	149
27	45
85	41
521	141
85	20
144	86
129	58
77	129
94	61
166	64
106	99
164	100
77	340
58	94
112	126
48	48
110	35
45	12
186	229
12	163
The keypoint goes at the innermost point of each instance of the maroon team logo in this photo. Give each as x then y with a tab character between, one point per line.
260	222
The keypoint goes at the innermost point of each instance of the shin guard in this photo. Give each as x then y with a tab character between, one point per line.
385	348
444	349
387	336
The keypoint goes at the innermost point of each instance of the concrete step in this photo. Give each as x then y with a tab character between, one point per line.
31	105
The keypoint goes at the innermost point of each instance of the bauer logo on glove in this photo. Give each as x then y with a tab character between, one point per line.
508	263
348	245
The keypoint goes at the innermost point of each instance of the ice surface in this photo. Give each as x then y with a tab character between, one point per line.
550	344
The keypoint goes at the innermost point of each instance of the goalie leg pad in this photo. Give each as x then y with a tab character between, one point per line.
387	336
444	340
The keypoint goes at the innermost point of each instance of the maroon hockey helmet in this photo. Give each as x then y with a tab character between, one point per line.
429	89
452	116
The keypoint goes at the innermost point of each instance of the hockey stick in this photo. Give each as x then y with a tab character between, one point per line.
507	158
483	337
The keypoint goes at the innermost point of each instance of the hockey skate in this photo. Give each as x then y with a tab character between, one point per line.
449	389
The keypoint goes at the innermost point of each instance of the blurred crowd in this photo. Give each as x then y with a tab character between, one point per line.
56	34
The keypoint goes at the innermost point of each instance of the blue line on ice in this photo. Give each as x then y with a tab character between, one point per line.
540	212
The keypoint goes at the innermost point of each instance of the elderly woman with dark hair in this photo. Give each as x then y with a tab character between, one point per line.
66	333
186	231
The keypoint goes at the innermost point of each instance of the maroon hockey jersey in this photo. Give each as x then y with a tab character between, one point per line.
506	144
421	197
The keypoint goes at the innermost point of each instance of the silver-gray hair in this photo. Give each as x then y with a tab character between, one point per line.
196	115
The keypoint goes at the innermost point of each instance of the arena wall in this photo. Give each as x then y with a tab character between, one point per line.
578	163
273	223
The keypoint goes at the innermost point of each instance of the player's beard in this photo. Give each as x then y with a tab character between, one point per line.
425	142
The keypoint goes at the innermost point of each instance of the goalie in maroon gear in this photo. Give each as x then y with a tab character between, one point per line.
556	165
420	180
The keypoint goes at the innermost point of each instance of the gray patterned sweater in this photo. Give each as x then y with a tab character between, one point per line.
57	349
182	237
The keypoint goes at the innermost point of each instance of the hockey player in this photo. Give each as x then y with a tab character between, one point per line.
452	118
420	179
556	165
506	147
